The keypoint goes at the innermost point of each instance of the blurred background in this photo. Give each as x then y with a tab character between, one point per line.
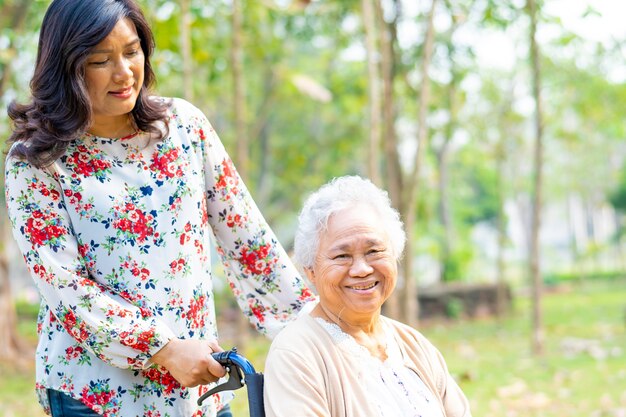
495	126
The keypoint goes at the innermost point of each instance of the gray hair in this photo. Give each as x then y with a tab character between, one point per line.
338	194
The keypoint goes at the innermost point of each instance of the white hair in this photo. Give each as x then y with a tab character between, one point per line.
338	194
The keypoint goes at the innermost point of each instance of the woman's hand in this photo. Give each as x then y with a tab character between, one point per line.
190	361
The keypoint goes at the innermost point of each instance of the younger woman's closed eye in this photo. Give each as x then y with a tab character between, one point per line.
99	63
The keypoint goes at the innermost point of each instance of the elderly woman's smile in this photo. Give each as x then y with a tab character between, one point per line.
363	287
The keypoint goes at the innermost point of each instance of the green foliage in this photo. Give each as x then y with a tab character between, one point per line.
26	309
455	265
556	278
617	197
500	14
454	308
477	198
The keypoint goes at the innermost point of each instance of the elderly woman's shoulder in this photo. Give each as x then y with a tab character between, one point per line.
302	331
405	330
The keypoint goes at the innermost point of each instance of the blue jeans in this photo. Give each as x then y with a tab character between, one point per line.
225	412
62	405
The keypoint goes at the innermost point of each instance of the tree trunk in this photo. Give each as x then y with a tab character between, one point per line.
501	221
374	102
573	230
239	102
186	51
446	239
535	261
501	155
408	297
393	171
239	115
261	133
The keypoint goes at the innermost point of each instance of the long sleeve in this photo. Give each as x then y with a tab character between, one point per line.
265	282
100	320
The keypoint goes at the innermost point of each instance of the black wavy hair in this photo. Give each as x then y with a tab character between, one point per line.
60	109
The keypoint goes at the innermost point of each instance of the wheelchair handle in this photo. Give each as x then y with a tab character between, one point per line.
240	371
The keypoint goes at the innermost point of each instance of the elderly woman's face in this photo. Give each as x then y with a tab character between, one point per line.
354	270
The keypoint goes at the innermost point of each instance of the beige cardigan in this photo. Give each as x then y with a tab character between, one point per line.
307	375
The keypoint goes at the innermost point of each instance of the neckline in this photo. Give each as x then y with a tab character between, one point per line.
132	135
349	342
127	137
344	325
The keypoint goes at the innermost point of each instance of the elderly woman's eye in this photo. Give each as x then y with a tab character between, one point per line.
341	256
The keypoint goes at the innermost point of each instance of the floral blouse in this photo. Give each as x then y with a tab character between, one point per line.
116	234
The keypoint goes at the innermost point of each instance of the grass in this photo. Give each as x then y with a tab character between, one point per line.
17	393
582	373
583	370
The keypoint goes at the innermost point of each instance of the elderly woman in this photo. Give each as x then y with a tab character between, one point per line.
344	358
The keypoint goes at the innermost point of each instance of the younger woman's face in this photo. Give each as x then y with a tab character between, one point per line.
114	75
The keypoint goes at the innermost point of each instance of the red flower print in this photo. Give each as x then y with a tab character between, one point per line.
140	342
97	399
164	380
227	181
133	222
165	164
197	311
306	294
88	162
177	265
232	221
69	320
74	352
258	310
254	260
43	229
83	249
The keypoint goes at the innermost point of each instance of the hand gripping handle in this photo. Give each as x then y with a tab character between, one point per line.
240	373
